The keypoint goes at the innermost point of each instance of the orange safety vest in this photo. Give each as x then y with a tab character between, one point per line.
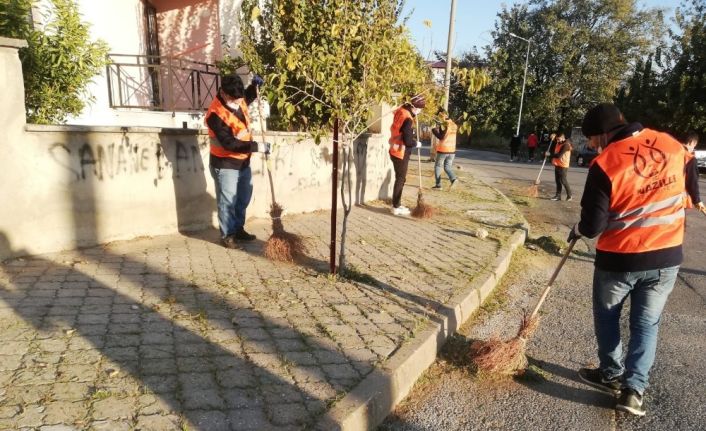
397	147
647	174
448	144
565	160
240	129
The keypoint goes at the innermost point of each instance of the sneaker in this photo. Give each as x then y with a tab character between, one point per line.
229	242
400	211
453	183
556	198
244	236
436	187
630	401
569	199
594	377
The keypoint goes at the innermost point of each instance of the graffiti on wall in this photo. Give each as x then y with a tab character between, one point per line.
97	161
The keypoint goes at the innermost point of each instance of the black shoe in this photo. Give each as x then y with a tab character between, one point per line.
630	401
569	198
241	235
436	187
453	183
594	377
229	242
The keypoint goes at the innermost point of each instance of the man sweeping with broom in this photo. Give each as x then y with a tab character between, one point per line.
402	140
633	199
231	146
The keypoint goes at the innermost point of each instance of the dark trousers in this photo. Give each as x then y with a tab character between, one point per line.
530	153
513	151
400	178
560	178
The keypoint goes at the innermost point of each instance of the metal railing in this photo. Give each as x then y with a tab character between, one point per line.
160	83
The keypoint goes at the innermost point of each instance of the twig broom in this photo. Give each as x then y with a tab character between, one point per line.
499	357
422	210
281	245
533	190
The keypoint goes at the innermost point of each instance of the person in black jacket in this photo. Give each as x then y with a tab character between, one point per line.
231	146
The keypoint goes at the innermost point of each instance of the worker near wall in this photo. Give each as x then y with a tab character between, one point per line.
403	138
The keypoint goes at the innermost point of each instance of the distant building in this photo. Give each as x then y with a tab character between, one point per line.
438	70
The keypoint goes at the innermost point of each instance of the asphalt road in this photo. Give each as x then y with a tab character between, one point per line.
450	397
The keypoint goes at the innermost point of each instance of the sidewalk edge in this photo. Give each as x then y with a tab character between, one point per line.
369	403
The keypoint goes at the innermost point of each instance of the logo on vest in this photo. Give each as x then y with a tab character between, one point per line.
658	184
648	160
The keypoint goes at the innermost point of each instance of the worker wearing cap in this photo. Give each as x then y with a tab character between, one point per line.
634	202
403	139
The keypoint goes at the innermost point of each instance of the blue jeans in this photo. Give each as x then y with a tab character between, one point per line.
648	292
447	160
233	193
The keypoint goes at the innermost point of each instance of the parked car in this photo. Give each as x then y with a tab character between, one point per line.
700	159
585	155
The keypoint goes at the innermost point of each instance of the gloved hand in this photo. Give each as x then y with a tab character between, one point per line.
546	154
419	144
257	80
574	234
701	207
262	147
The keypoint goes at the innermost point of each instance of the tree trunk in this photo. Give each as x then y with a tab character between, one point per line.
346	201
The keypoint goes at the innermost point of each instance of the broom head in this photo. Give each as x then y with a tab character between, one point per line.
533	191
282	246
422	210
504	358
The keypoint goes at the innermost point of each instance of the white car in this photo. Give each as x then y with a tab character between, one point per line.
700	158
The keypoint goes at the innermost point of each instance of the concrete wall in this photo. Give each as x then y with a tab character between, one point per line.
69	186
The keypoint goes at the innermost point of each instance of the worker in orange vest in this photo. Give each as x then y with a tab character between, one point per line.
445	148
403	138
561	158
634	202
231	145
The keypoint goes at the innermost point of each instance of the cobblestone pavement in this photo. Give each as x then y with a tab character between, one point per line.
176	332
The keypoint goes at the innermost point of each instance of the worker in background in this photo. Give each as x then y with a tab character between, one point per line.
445	148
561	159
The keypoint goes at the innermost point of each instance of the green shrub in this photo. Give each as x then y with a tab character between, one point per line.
59	62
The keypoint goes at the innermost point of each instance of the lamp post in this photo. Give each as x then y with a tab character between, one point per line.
449	56
524	80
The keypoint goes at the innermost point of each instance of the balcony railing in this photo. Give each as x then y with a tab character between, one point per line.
160	83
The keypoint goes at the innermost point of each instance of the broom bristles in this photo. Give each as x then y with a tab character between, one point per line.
282	246
505	358
533	191
422	210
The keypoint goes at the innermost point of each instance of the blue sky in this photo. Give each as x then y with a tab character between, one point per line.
474	21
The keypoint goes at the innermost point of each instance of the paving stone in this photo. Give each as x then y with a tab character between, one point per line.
202	399
110	425
235	378
70	391
209	420
249	419
114	408
289	414
64	412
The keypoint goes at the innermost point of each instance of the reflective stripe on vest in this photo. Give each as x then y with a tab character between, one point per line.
647	177
397	147
448	144
563	161
240	129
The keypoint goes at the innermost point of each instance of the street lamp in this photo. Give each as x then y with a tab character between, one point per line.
524	80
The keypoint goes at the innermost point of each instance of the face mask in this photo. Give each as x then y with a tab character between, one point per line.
416	111
233	104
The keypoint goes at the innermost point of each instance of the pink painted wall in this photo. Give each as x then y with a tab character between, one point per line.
189	29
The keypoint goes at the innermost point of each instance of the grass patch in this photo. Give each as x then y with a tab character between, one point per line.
100	394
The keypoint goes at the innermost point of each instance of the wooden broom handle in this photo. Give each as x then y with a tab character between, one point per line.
540	170
551	280
264	139
419	155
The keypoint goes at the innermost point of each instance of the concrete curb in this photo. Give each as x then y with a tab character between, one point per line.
369	403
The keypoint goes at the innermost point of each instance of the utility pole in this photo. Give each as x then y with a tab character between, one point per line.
449	56
524	80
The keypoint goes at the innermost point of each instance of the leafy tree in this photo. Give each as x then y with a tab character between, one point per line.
686	78
581	52
59	62
332	61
